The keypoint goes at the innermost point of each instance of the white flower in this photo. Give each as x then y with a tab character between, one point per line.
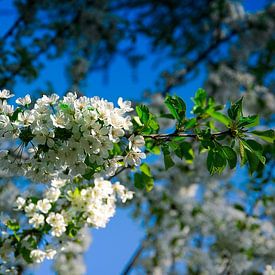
58	183
57	231
26	118
4	94
44	206
6	108
50	253
37	220
125	105
45	100
4	121
20	203
57	222
59	120
134	158
52	194
30	209
26	100
38	255
122	192
269	270
136	142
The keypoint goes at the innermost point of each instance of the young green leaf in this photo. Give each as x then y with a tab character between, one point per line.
144	168
183	149
216	161
168	162
242	153
248	122
144	180
267	135
200	98
230	156
177	107
13	225
253	154
219	117
236	110
143	113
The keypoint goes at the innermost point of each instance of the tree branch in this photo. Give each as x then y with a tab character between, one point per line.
179	75
195	136
43	50
12	28
119	171
133	259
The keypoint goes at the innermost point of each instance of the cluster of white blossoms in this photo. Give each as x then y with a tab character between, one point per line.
63	208
66	136
74	146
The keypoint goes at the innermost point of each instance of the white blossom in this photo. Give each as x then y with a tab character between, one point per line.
37	220
38	255
20	203
26	100
5	94
44	206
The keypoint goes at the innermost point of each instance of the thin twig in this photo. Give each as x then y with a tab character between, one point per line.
134	259
201	57
171	135
12	28
43	50
119	171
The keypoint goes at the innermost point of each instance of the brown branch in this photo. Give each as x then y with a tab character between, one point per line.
195	136
134	259
12	28
119	171
43	50
200	58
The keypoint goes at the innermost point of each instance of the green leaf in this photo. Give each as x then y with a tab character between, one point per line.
152	147
169	116
248	122
143	181
143	113
253	161
144	168
230	156
168	161
13	225
255	148
183	149
25	253
153	124
216	161
16	113
254	154
200	98
72	230
64	106
146	122
236	110
190	123
239	207
149	185
219	117
242	153
177	107
267	135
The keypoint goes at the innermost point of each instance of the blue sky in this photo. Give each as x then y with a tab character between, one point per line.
113	246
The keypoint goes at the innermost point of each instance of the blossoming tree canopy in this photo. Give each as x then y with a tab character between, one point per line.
75	146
